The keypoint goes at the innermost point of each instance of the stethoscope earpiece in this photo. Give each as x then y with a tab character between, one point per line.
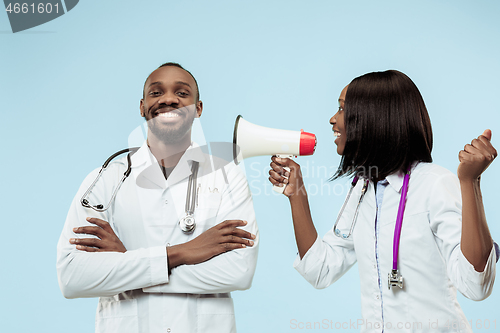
100	207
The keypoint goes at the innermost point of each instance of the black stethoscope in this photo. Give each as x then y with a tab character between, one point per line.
187	224
394	277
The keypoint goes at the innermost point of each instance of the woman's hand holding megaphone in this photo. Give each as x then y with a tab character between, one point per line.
292	179
305	232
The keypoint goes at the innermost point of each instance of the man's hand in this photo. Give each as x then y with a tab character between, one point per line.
476	157
107	241
223	237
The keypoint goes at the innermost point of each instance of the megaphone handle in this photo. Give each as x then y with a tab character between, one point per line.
281	189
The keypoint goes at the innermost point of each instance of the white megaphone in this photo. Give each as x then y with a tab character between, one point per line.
253	140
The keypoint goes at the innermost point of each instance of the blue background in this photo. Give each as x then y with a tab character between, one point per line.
69	98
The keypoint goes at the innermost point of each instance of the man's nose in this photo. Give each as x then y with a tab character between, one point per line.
169	98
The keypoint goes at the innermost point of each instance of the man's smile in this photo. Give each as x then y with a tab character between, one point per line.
167	113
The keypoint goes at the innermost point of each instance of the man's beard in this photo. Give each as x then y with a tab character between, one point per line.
172	133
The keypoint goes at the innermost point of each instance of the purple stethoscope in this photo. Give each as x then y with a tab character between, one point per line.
394	277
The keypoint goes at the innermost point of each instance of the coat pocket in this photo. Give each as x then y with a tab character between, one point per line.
216	315
207	207
117	316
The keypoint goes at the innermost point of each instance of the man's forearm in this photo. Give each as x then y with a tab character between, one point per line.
174	256
224	273
83	274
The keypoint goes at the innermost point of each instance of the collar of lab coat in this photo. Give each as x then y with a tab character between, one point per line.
149	174
396	179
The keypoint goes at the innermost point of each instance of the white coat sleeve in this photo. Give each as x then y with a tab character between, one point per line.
330	258
445	215
99	274
229	271
326	261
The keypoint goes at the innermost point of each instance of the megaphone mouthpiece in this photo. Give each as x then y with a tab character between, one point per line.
307	143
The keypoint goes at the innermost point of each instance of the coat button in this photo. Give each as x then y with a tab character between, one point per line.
168	330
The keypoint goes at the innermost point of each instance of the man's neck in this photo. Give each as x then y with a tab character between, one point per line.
168	155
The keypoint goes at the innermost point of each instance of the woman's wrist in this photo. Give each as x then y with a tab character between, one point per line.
299	193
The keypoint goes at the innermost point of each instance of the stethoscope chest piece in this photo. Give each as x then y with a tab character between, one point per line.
187	224
395	279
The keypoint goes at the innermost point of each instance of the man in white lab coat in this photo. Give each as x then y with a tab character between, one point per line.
151	276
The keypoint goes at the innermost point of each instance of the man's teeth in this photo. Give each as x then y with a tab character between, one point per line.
168	115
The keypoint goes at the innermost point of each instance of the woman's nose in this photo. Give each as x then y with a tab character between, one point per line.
333	120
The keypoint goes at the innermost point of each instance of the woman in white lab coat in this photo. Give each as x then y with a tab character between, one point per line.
384	136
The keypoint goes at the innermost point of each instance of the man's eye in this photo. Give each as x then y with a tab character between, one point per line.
154	93
183	94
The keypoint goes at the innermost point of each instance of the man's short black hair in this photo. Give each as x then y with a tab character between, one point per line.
174	64
387	125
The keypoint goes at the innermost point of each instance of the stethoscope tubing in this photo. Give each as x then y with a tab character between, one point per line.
399	217
399	221
191	194
99	207
191	190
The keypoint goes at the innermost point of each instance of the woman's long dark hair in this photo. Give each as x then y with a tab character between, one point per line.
387	126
